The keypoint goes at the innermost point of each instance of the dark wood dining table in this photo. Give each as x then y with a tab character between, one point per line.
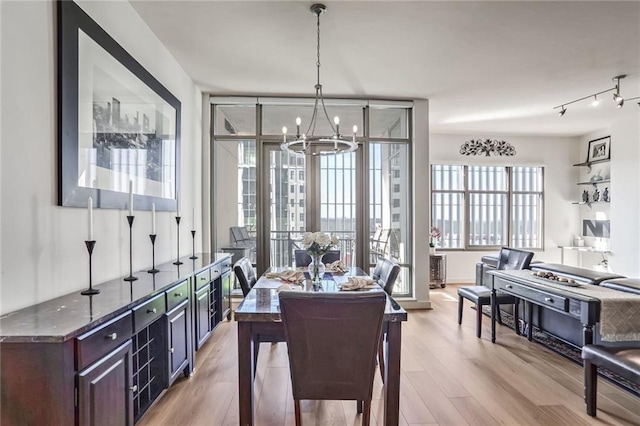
259	314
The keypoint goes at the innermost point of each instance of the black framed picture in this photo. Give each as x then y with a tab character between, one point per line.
117	125
599	149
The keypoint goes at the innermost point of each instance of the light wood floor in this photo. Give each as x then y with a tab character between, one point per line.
449	377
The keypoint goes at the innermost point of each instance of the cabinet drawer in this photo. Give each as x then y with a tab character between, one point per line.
225	265
177	294
99	341
148	312
201	279
537	296
216	270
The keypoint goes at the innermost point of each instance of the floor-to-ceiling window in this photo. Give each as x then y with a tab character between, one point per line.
281	195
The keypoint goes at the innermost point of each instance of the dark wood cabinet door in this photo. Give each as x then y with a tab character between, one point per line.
178	341
227	285
203	325
105	397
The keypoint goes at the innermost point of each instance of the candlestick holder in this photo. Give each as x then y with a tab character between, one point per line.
177	262
90	291
153	269
193	245
130	277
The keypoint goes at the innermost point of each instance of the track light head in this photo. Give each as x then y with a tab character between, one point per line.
595	102
619	102
562	111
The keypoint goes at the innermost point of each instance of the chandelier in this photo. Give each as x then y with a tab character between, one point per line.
487	147
307	143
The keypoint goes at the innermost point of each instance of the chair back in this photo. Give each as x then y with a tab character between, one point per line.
388	273
236	235
245	274
510	258
332	339
378	269
304	259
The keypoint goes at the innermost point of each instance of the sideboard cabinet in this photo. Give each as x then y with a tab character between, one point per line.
105	359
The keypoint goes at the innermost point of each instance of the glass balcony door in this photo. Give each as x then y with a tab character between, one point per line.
306	194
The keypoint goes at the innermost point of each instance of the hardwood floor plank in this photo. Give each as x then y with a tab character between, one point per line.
473	412
437	403
271	405
412	406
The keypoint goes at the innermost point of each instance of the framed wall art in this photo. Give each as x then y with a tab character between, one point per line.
116	123
599	149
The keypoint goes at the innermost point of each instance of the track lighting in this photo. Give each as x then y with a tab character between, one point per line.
617	97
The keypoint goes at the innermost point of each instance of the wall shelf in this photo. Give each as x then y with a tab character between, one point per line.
588	203
594	182
590	163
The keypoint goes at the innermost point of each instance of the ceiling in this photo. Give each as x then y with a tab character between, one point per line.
486	67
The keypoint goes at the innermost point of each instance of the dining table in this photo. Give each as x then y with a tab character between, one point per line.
259	314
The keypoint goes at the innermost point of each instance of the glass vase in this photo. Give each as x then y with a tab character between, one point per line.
316	268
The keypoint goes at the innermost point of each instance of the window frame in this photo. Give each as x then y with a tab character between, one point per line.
509	193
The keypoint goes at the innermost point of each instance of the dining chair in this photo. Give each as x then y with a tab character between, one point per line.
509	258
245	274
332	340
377	269
386	278
247	278
304	259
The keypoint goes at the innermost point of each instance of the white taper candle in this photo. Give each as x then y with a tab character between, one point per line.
130	198
90	208
153	218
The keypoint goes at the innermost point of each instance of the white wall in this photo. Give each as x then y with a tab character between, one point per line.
43	253
421	205
625	200
561	217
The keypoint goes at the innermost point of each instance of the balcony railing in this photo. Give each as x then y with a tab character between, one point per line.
284	244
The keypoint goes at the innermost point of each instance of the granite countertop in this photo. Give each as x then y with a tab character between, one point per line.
67	316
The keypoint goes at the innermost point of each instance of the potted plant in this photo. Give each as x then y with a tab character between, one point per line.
434	235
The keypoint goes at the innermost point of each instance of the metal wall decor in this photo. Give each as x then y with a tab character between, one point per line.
487	147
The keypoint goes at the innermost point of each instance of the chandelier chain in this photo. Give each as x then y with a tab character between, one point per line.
318	46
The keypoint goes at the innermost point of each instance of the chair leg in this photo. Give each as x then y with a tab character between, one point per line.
529	307
381	356
498	316
516	316
460	301
590	386
478	321
366	413
296	405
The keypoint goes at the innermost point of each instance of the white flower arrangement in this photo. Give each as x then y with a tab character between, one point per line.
318	243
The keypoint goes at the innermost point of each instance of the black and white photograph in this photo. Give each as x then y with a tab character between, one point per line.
122	126
599	149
